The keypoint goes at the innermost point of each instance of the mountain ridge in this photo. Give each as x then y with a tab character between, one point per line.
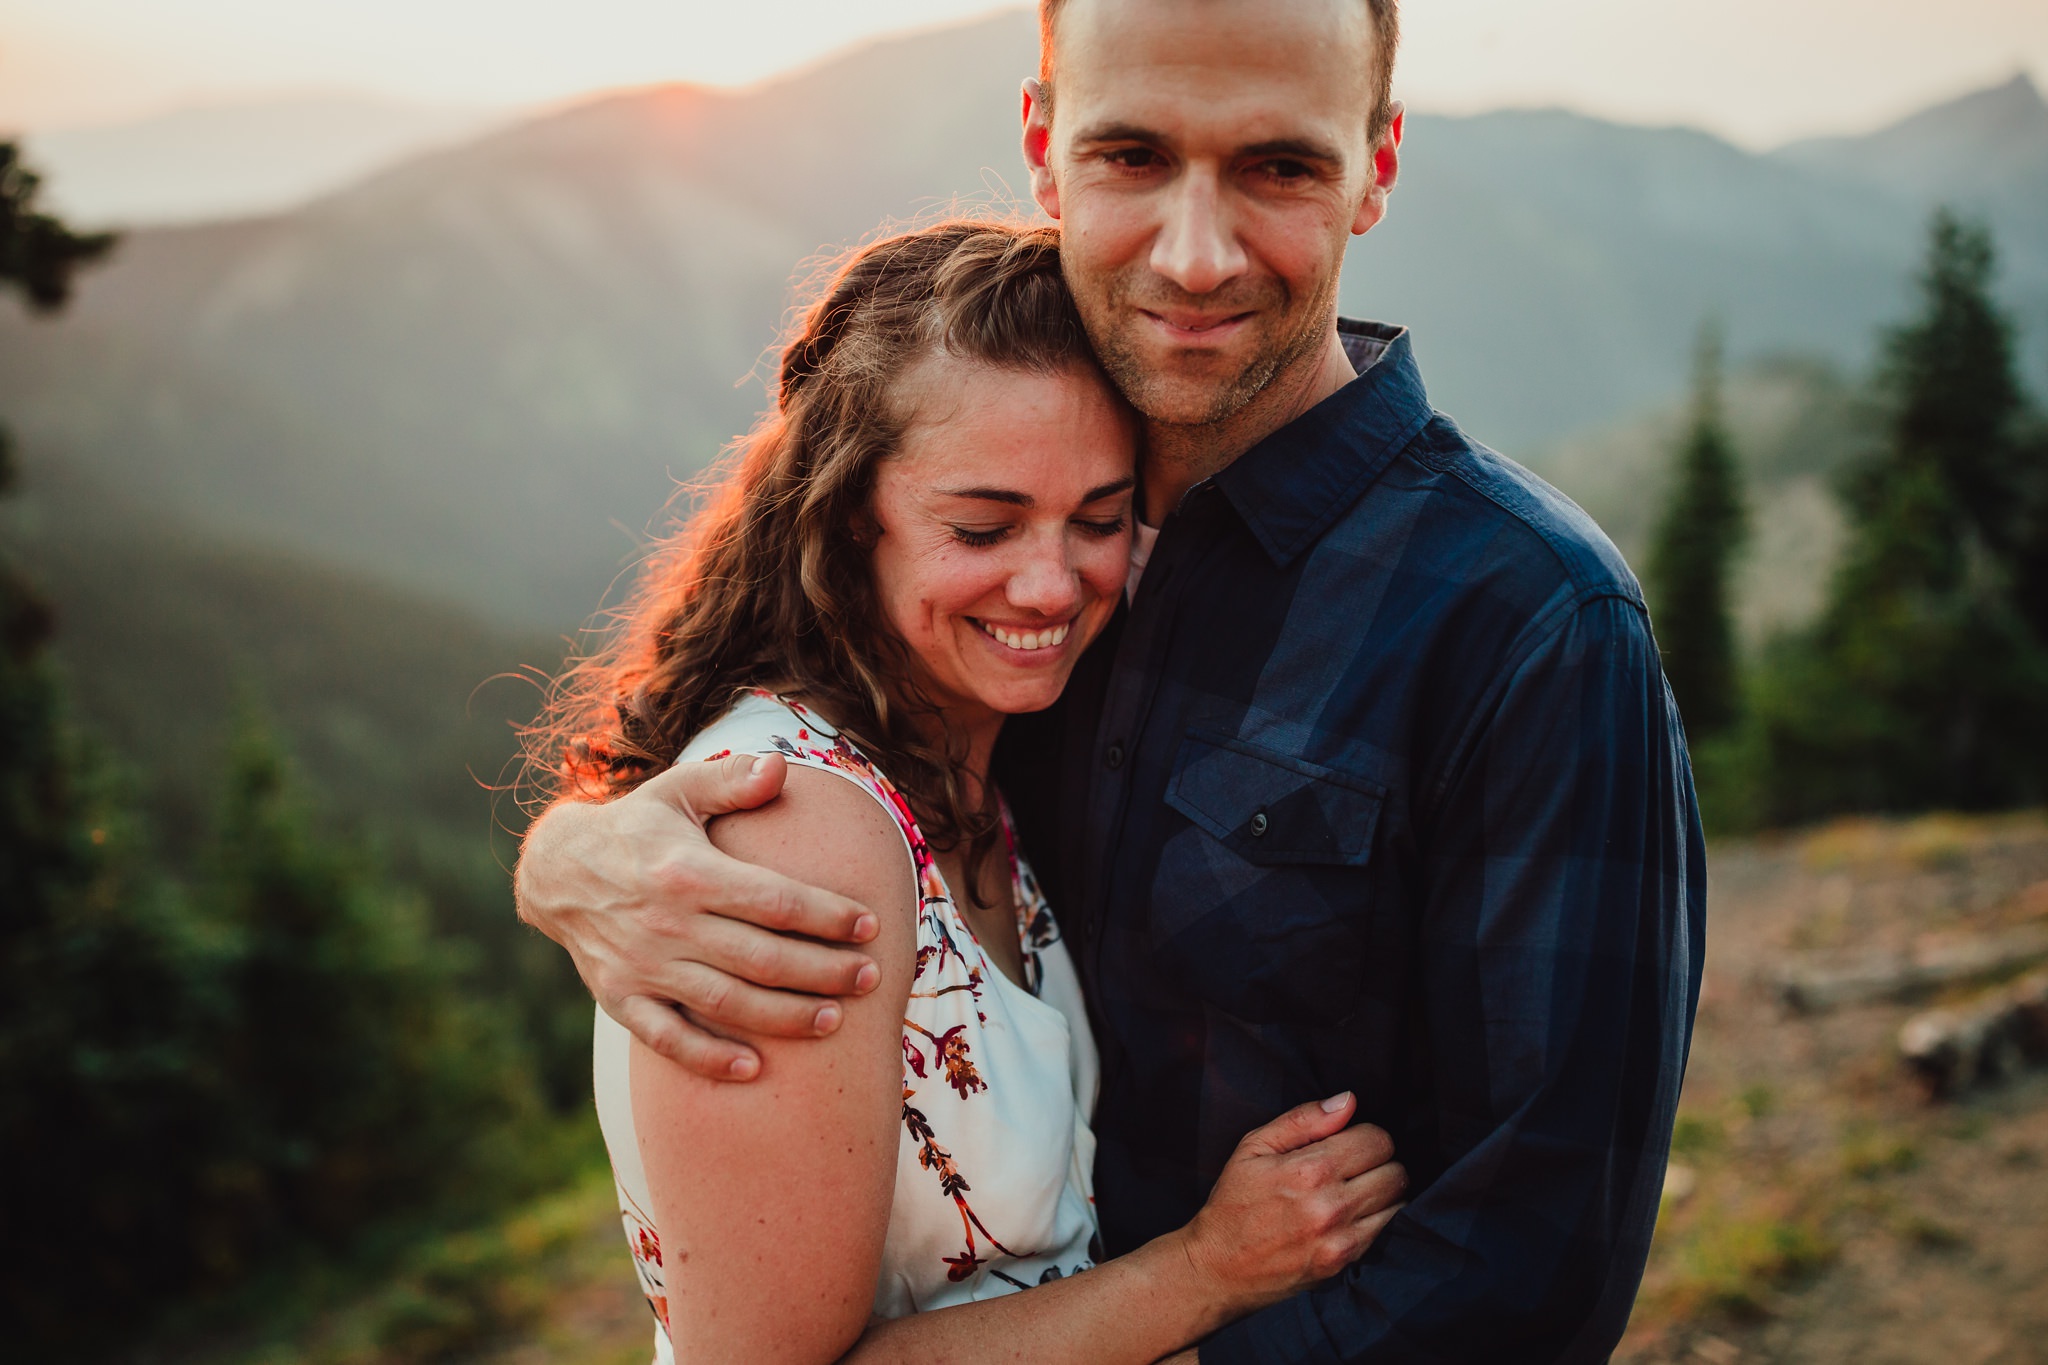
480	372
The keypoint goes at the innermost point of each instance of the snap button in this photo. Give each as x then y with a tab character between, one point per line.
1260	824
1114	757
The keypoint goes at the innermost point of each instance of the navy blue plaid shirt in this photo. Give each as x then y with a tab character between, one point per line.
1377	786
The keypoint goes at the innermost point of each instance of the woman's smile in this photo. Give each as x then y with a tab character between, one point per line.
1025	640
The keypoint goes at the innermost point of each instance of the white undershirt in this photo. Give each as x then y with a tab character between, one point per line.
1141	554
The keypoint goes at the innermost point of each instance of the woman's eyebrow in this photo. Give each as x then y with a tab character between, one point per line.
1008	495
1015	498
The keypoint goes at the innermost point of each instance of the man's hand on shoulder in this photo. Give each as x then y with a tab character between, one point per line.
680	942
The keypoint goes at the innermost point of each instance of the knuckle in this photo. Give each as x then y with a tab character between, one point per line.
673	873
784	909
761	955
714	996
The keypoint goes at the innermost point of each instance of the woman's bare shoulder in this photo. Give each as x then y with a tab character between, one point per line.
826	829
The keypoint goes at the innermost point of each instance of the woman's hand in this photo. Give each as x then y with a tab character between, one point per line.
1301	1198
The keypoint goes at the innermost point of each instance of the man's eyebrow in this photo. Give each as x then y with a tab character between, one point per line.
1119	132
1008	495
1302	149
1110	490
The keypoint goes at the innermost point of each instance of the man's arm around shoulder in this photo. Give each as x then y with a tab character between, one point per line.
679	942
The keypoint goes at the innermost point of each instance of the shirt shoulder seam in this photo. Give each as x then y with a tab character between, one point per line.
1426	450
1533	636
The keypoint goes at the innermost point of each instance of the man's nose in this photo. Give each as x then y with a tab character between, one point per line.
1197	246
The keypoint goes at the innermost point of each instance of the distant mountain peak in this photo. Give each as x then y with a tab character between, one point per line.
1992	141
2012	107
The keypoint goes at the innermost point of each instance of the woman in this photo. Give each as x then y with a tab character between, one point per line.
918	541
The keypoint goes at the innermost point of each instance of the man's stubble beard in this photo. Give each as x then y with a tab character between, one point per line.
1141	385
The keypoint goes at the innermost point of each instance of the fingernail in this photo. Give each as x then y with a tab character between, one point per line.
867	978
865	928
760	766
1336	1102
827	1018
743	1068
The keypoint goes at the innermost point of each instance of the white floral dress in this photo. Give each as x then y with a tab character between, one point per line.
994	1171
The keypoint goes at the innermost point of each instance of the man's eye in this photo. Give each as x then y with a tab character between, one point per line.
1132	158
1284	169
969	536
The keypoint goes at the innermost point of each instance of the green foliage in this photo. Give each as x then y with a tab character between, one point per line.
38	254
1921	684
1696	1135
1702	528
374	692
1737	1265
205	1076
212	1065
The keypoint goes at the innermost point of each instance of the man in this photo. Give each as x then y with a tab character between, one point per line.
1376	784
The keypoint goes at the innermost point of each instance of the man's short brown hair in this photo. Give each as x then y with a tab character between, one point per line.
1386	37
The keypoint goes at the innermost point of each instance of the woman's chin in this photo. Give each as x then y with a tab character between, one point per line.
1018	697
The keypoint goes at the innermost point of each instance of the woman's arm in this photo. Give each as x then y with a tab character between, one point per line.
1301	1198
773	1198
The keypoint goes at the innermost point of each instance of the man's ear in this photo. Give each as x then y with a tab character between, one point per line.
1038	148
1386	169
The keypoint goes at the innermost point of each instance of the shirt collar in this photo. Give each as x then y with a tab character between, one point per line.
1292	485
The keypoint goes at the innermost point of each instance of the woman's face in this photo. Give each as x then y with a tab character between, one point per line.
1004	525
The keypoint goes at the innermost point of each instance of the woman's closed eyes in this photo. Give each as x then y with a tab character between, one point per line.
983	537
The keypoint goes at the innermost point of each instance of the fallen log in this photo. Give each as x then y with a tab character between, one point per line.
1811	982
1986	1039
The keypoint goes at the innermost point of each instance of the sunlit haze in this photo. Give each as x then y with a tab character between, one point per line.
1758	71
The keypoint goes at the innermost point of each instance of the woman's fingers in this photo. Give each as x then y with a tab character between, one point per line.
663	1028
1356	1150
1380	1188
1299	1127
1367	1230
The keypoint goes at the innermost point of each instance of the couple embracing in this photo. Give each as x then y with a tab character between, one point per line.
1118	833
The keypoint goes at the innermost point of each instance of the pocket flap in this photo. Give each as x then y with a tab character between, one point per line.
1271	808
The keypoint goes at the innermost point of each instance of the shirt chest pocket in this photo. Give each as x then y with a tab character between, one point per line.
1258	902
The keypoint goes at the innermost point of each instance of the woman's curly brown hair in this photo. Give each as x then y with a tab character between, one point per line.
770	584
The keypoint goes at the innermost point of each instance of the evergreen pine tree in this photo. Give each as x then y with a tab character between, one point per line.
1922	684
41	820
192	1079
1702	528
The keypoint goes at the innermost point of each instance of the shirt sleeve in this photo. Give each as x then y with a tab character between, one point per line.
1562	925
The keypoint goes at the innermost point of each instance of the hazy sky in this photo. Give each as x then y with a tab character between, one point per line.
1759	71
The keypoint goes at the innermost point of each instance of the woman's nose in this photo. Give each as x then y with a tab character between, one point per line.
1045	584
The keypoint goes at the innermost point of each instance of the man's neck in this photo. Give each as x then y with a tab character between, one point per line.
1178	457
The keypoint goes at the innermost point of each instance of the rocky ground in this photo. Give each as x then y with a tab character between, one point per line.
1822	1208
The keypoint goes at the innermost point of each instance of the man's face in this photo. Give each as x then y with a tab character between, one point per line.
1208	160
